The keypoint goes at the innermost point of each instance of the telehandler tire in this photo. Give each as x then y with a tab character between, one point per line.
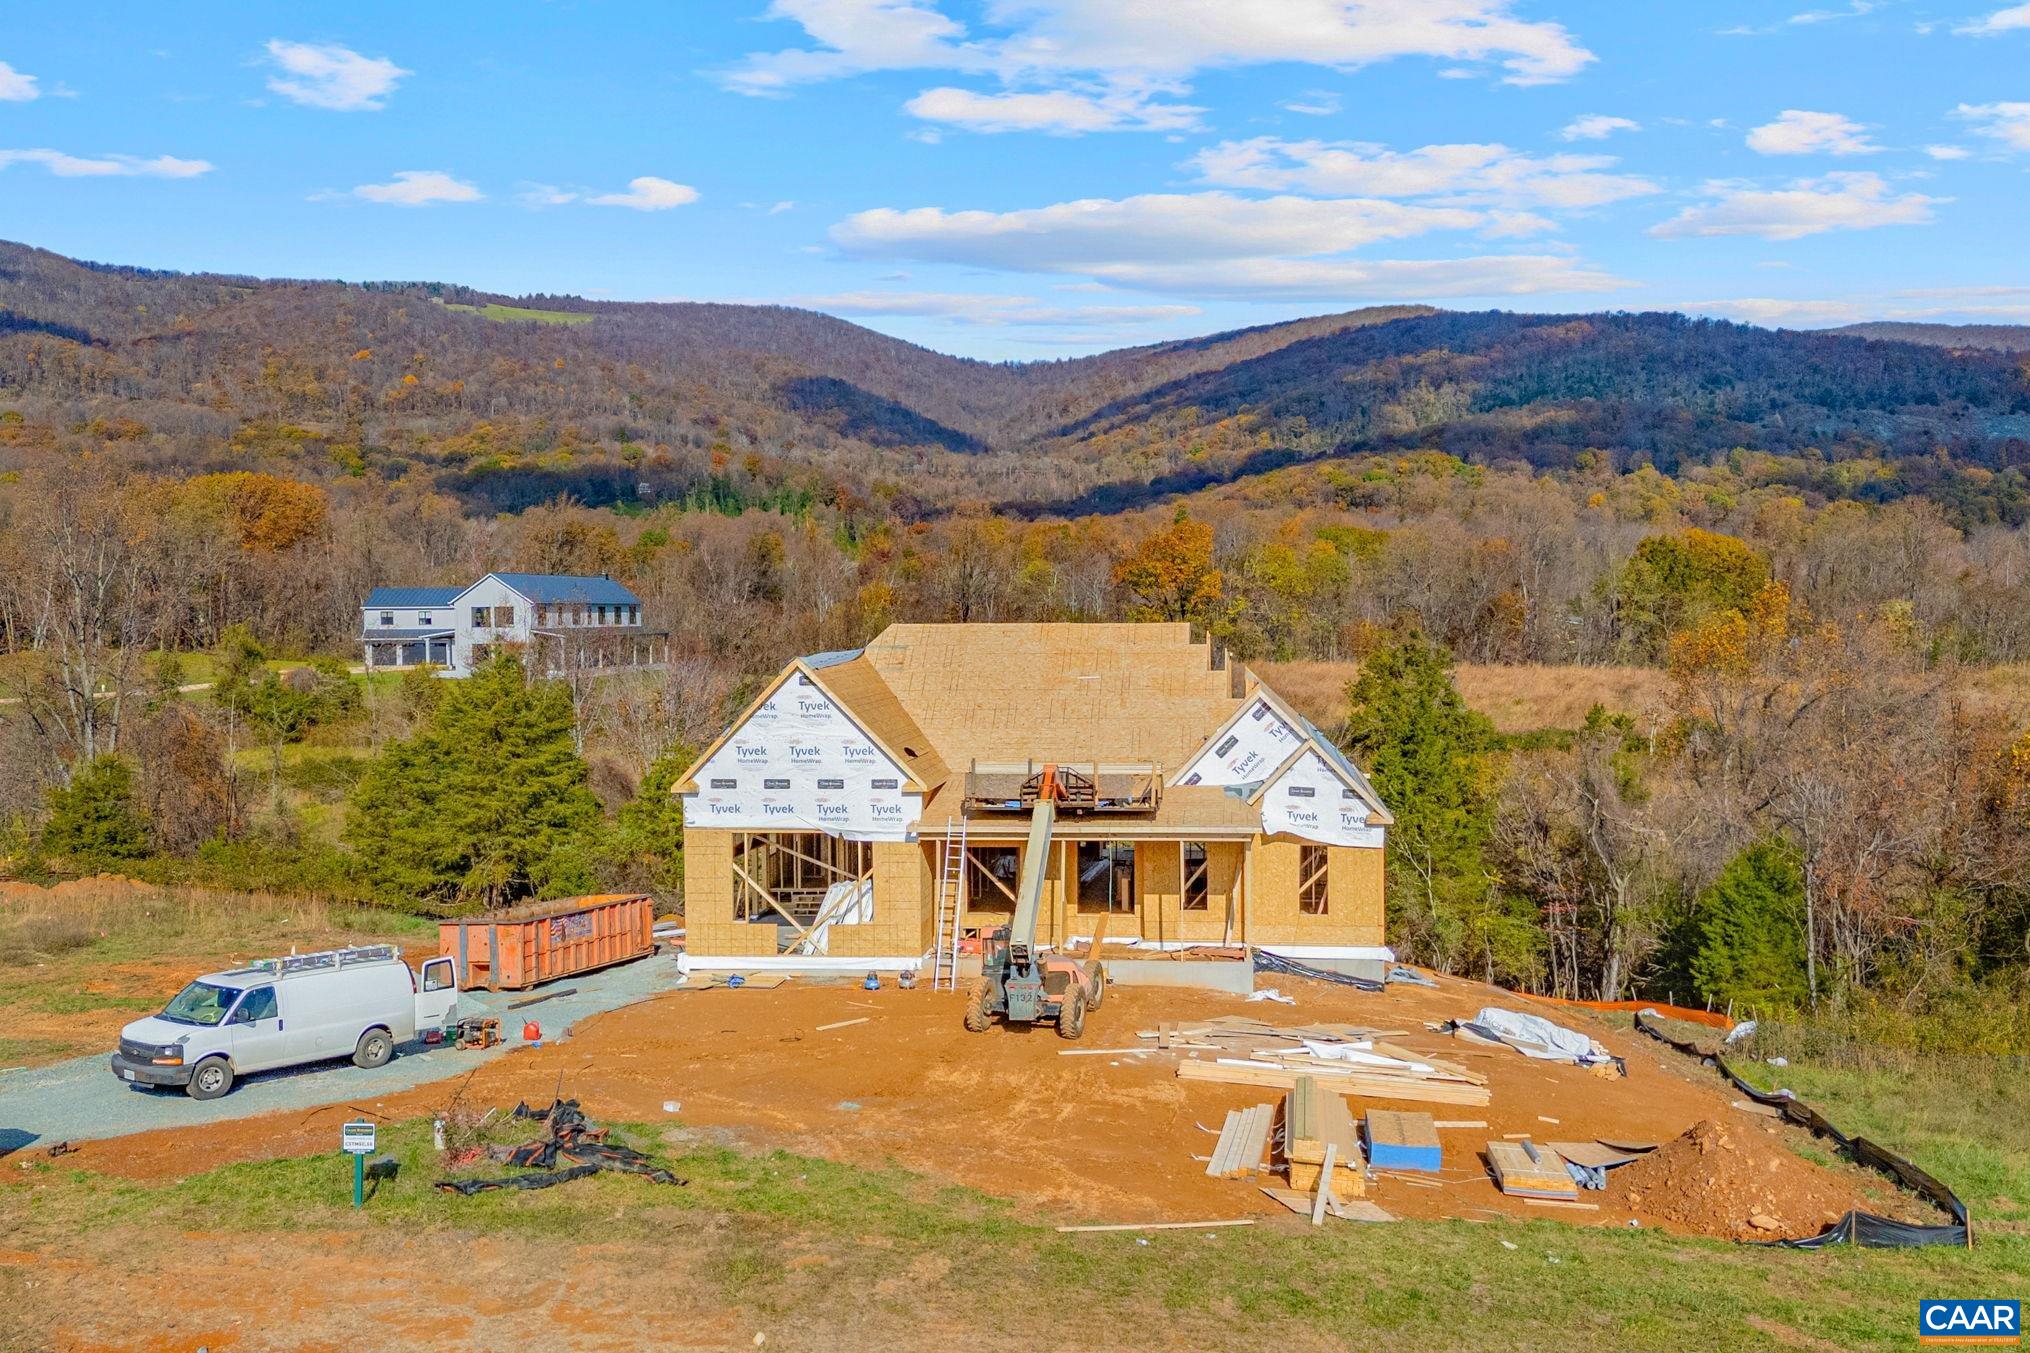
1098	975
977	1018
1071	1016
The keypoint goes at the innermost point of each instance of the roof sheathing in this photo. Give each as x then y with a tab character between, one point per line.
1065	693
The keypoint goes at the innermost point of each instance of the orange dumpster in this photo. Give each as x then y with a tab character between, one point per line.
540	941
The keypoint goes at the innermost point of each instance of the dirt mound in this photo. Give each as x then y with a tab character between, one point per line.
1733	1181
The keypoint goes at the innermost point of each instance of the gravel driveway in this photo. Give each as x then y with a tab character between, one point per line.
81	1099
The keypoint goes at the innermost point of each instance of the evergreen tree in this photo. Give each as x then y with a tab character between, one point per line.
486	804
1428	756
647	846
93	823
1751	931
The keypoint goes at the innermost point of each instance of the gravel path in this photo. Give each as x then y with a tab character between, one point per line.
81	1099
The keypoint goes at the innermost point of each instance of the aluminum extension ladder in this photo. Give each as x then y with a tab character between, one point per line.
951	907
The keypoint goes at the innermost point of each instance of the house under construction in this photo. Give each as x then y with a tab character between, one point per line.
875	804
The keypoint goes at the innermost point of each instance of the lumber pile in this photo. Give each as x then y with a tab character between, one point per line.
1318	1135
1242	1142
1442	1085
1347	1058
1403	1141
1521	1170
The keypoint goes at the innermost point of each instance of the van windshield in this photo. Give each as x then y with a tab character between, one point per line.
201	1003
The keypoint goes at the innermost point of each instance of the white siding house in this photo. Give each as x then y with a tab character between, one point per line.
565	622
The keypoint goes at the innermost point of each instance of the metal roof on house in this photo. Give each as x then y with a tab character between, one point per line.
412	596
551	588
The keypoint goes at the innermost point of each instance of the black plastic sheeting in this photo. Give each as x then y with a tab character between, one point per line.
1856	1228
1268	962
572	1140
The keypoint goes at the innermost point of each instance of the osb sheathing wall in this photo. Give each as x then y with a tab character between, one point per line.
901	926
1353	902
1263	904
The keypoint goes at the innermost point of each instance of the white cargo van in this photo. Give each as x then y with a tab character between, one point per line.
360	1003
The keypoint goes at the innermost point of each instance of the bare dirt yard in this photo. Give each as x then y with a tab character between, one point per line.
1099	1135
896	1181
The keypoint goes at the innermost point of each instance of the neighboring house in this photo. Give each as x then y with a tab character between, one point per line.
857	784
565	623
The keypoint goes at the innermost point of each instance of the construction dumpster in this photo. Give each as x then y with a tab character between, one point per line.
540	941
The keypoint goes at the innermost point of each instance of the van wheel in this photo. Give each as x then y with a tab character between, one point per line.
211	1078
375	1048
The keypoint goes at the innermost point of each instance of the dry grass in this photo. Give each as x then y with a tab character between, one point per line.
1519	699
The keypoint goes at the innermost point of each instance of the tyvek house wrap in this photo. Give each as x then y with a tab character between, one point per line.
1246	751
1311	800
799	763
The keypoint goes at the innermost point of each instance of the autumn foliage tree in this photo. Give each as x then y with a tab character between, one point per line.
1170	574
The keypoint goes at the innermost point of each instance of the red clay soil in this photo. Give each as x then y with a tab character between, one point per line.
1729	1179
1114	1136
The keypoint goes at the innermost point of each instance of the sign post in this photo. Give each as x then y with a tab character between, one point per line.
358	1140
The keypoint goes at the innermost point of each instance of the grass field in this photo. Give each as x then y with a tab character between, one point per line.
509	313
79	960
811	1252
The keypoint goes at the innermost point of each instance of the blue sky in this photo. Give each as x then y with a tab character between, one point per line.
1038	178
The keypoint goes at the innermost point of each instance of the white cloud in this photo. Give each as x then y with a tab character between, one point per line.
1215	243
1364	280
2008	123
648	193
2013	19
16	86
1962	304
1060	111
419	188
1777	313
1312	103
989	310
1465	173
1847	201
779	208
546	195
326	75
68	166
1147	47
1598	127
1947	152
1796	132
1072	236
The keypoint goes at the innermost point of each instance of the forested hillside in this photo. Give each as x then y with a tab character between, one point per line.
1815	543
2001	337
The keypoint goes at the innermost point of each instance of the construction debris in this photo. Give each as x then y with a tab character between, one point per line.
1160	1225
570	1137
1359	1209
1536	1037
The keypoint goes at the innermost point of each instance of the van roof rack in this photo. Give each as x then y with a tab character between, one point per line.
326	960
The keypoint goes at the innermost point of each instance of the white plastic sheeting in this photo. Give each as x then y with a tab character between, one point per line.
1310	800
1247	751
1534	1036
800	764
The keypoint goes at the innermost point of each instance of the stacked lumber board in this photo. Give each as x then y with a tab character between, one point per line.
1397	1140
1317	1128
1522	1172
1442	1084
1242	1142
1245	1034
1350	1059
